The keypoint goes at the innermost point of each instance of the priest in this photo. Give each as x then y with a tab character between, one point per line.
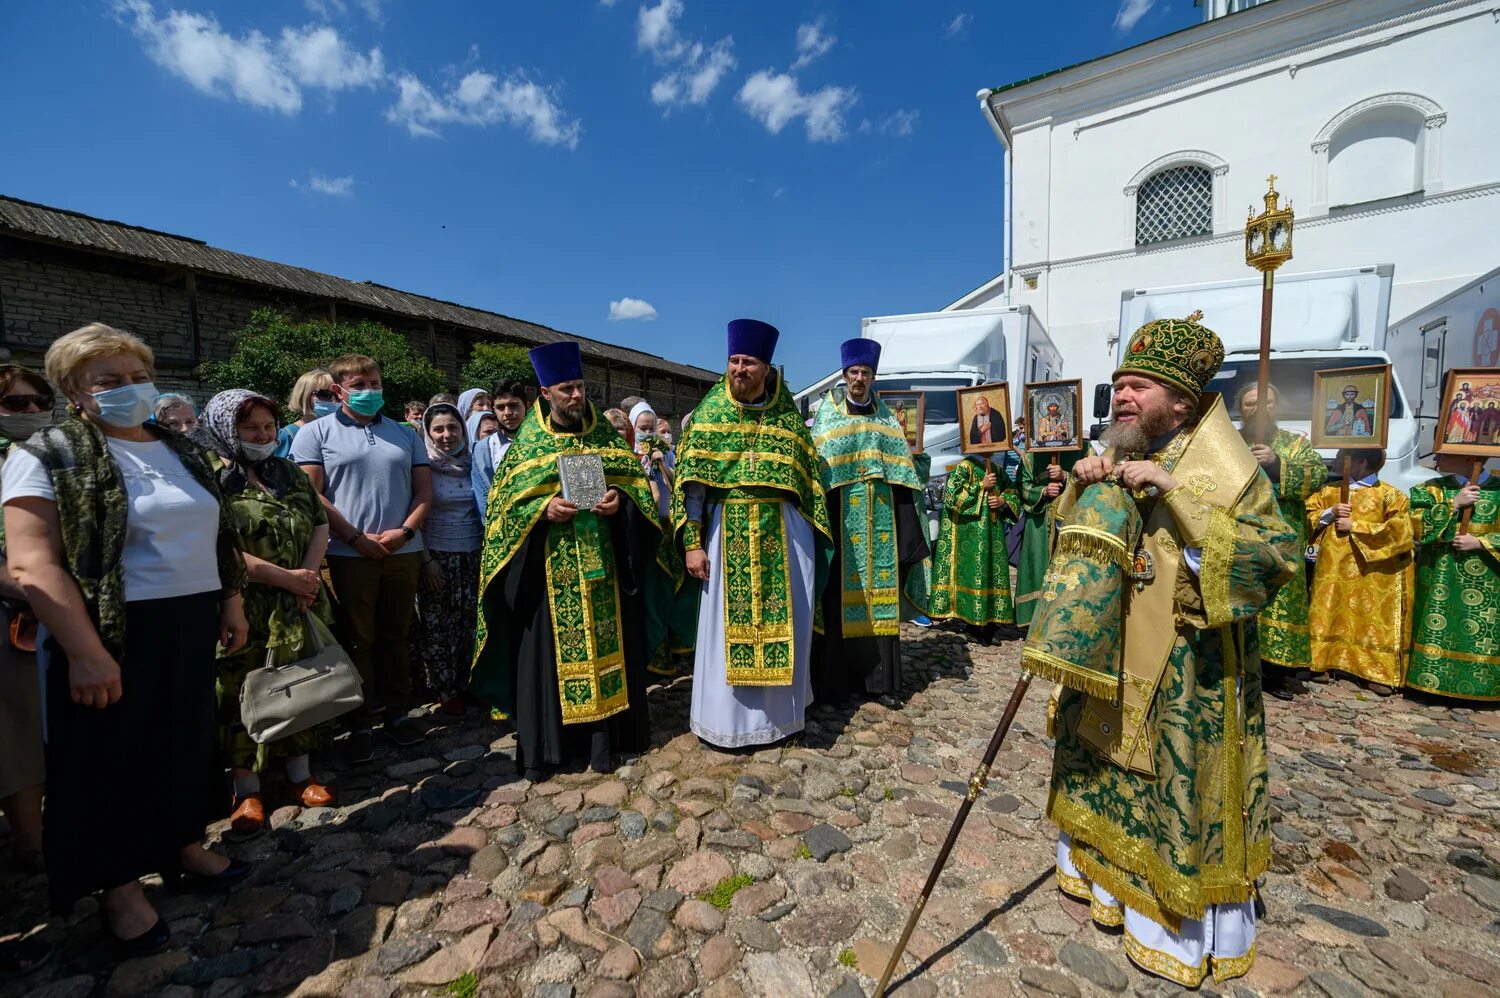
748	505
1169	545
875	515
573	601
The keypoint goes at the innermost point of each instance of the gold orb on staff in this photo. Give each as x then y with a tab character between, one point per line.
1268	245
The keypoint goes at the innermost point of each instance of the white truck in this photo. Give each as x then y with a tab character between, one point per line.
940	352
1326	319
1461	329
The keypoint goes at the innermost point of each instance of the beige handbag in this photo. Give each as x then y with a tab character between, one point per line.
281	700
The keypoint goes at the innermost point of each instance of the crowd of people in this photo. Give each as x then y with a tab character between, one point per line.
156	554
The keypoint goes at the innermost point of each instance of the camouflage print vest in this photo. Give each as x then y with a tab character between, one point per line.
91	509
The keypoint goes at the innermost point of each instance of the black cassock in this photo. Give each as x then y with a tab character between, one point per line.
541	737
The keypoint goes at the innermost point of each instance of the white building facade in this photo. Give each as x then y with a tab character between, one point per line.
1380	119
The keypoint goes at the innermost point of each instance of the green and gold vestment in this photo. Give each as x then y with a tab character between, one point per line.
863	458
971	566
1455	647
750	460
1036	541
582	576
1283	623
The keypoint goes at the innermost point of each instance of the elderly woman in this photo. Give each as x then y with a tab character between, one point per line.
175	412
474	400
25	407
283	532
443	637
118	535
312	397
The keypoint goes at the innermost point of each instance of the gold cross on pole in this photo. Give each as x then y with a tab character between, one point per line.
1271	180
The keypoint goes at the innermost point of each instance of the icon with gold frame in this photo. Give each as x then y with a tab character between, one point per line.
1469	418
1351	407
984	419
910	410
1053	425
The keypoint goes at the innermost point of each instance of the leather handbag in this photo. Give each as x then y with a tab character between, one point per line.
281	700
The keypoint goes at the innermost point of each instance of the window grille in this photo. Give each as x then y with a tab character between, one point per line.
1175	203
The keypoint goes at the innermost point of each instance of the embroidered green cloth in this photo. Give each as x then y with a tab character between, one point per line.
1036	539
751	459
582	582
1283	623
1075	637
971	566
1455	644
862	457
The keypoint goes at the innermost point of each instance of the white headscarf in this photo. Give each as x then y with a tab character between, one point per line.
635	414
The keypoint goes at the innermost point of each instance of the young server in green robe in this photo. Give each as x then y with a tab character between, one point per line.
1455	647
971	567
1041	483
572	602
874	511
1296	472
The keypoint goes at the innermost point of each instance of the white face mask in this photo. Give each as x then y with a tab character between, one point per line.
257	452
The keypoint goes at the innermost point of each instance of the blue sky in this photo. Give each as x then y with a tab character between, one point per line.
673	163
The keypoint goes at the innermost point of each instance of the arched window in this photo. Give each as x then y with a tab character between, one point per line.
1175	203
1382	147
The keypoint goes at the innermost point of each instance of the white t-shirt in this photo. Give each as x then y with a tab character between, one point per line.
171	527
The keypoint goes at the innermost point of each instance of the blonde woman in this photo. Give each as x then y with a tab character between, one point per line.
313	397
117	534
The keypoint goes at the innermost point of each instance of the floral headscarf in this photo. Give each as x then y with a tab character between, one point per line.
441	463
216	429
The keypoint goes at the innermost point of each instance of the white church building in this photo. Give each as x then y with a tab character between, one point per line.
1380	119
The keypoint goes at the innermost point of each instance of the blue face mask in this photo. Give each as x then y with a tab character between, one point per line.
365	401
321	409
128	405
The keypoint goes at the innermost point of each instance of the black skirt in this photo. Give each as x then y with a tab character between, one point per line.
130	785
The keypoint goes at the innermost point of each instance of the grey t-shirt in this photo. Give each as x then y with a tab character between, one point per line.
366	472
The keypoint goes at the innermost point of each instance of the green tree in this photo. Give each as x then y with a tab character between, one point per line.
272	352
492	363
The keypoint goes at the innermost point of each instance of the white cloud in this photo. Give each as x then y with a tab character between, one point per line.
776	100
338	187
899	123
1130	13
631	308
328	9
700	75
959	23
251	68
481	98
656	30
812	43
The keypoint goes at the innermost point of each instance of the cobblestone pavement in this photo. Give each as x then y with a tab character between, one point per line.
789	871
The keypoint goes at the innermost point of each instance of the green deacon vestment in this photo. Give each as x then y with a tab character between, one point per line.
1455	645
1036	539
581	593
1163	790
971	566
874	511
1283	623
750	460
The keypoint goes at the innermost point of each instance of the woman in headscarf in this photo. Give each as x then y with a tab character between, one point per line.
473	400
656	456
283	532
443	638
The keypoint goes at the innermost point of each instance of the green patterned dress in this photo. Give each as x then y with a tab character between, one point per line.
1036	541
971	567
1455	648
277	530
1283	623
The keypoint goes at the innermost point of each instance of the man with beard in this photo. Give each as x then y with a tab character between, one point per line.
981	427
509	402
1169	545
749	507
873	491
1349	418
564	633
1296	472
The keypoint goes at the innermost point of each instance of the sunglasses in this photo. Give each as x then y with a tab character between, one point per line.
16	403
324	395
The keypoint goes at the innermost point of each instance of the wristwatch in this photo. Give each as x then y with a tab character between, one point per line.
407	532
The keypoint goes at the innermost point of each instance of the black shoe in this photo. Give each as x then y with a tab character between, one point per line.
222	882
21	956
359	747
407	731
148	942
1280	693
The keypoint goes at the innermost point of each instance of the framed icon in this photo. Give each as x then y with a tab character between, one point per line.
984	419
1053	416
1351	407
1469	424
910	410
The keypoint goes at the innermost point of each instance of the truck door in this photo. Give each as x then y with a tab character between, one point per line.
1430	398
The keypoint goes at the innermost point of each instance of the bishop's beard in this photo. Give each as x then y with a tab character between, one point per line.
1135	436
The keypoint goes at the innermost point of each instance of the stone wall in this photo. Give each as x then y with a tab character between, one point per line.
46	291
